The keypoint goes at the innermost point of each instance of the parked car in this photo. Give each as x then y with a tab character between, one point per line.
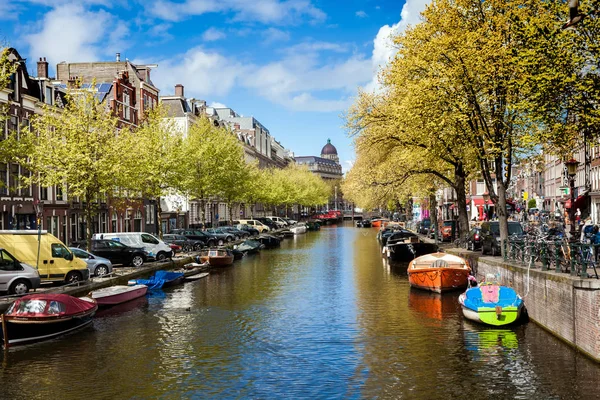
255	224
238	233
17	277
155	248
268	222
186	243
209	239
56	262
490	236
473	239
247	228
98	266
117	252
290	221
424	226
281	223
220	234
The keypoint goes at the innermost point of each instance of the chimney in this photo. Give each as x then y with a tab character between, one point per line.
42	68
118	57
179	90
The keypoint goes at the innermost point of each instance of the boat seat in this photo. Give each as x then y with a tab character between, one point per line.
439	264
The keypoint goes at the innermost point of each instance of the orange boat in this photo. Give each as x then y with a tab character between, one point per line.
217	257
438	272
378	223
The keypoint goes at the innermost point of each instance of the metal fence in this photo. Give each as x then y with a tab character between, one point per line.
577	259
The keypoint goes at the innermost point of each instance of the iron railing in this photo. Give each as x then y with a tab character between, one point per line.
560	255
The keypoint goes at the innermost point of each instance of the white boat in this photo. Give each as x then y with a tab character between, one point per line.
299	229
118	294
197	276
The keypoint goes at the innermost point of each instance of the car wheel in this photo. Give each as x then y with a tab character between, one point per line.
101	270
483	252
229	239
161	256
493	250
19	287
211	243
137	261
220	242
74	276
197	247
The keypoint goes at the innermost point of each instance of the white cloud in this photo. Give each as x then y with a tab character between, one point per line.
264	11
71	33
216	104
213	34
301	82
161	31
383	49
361	14
275	35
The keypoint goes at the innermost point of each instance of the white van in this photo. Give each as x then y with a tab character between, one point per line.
279	221
255	224
156	248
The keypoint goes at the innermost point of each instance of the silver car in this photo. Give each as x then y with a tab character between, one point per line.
16	277
98	266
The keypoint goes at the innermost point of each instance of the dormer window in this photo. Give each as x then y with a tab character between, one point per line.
48	97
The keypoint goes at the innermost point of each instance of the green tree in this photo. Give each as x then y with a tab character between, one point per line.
78	147
531	203
155	165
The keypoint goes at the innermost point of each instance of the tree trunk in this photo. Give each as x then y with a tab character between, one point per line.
203	212
159	231
88	223
433	217
461	200
230	208
501	213
252	210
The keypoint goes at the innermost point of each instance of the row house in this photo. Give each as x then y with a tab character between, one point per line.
62	215
130	93
259	146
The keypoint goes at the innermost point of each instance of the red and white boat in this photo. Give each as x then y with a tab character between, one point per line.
118	294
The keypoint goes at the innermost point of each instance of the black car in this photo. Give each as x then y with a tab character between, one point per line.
117	252
268	222
220	234
247	228
490	236
473	239
238	233
183	241
208	239
424	226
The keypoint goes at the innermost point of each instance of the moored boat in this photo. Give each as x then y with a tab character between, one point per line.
269	241
298	229
378	223
118	294
217	257
197	276
250	246
408	248
438	272
160	279
492	304
38	317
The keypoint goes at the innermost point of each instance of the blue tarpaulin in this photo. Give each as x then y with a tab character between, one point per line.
159	279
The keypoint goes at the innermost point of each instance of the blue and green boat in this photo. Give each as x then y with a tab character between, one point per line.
491	304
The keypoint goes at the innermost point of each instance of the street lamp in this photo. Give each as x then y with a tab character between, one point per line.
572	165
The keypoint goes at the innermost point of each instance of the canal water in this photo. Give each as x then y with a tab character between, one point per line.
322	317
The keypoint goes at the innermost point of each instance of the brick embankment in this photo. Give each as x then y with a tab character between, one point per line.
566	306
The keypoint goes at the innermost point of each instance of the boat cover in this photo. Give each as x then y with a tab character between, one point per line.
492	295
159	279
48	305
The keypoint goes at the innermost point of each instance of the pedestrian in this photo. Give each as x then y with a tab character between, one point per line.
578	216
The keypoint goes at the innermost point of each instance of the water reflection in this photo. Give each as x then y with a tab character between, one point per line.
321	317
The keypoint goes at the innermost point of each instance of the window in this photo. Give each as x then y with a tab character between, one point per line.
3	179
113	222
56	307
43	193
30	307
114	245
103	222
137	221
14	178
7	262
48	97
59	251
149	239
127	221
59	193
127	102
73	228
80	253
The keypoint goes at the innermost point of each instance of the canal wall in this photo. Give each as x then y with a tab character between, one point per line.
566	306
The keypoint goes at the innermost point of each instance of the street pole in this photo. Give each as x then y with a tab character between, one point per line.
572	172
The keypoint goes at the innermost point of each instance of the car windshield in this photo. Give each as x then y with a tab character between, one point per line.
515	229
447	223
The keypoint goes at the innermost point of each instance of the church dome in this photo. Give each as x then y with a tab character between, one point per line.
329	149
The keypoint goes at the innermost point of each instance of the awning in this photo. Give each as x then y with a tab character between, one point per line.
478	202
579	202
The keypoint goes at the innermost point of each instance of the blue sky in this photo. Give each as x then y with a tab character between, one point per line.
295	65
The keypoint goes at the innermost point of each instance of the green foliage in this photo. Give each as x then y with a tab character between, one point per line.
531	203
78	147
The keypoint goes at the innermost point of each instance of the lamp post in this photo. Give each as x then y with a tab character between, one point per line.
572	171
